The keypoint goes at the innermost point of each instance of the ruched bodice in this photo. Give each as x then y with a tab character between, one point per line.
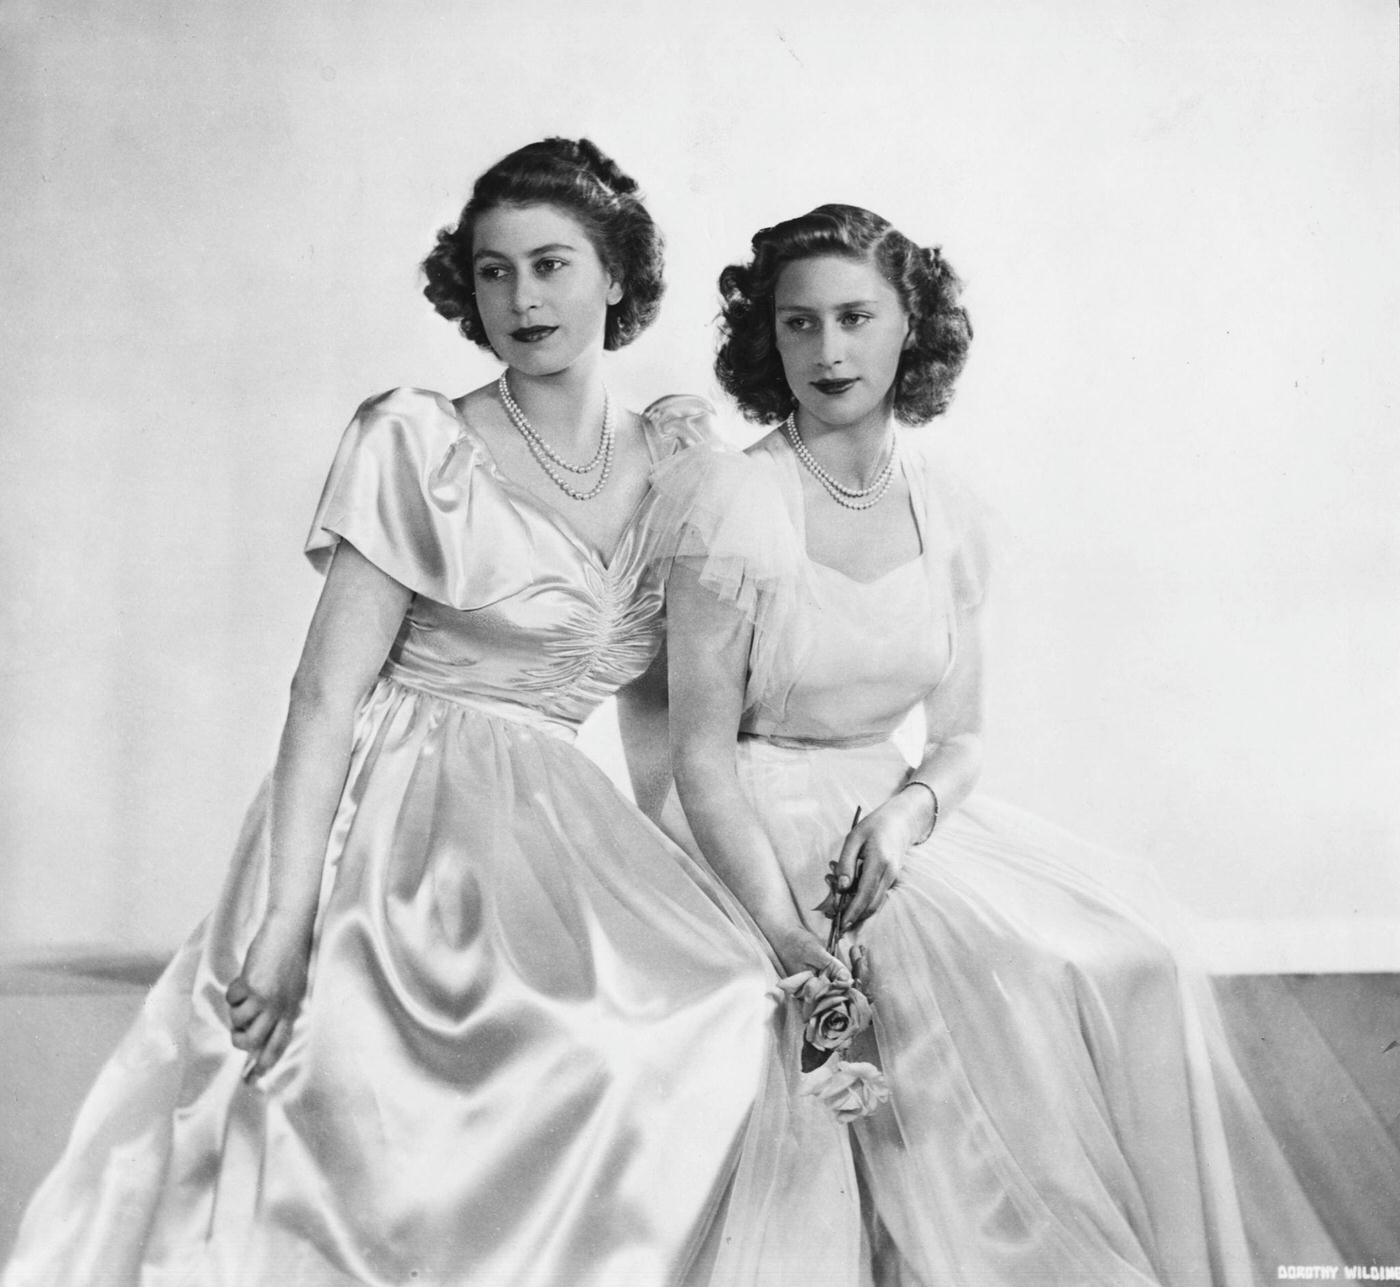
513	610
552	653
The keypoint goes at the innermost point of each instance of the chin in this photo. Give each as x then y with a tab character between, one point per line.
545	361
842	416
531	361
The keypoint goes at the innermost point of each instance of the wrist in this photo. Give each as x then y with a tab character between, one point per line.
924	801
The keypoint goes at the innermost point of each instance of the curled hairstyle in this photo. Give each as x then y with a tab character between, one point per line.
573	175
748	365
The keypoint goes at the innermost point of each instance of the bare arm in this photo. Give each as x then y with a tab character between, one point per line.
951	765
643	722
352	630
709	649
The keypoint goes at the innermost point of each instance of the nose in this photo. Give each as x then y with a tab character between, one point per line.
525	294
833	347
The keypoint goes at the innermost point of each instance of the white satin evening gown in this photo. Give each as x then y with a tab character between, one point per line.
536	1033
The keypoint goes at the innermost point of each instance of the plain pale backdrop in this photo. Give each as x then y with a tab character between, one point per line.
1180	229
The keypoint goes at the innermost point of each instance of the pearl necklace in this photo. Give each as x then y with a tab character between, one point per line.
545	455
850	497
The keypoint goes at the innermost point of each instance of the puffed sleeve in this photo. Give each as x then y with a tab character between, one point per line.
684	420
720	514
414	492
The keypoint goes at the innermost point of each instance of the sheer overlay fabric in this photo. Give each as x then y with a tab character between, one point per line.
1066	1107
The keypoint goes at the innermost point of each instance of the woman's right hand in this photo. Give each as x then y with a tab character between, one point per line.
264	999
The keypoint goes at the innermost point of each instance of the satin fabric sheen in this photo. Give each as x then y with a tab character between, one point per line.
536	1033
1066	1109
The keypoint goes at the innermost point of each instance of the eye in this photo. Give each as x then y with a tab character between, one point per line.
491	272
853	319
549	265
798	323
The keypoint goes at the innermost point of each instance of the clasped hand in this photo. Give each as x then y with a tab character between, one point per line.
872	856
798	949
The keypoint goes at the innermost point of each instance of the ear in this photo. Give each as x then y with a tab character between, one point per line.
909	337
615	292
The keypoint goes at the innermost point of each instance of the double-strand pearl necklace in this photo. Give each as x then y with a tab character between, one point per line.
850	497
545	455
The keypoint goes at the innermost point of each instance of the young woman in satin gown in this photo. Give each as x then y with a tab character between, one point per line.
461	1014
1065	1109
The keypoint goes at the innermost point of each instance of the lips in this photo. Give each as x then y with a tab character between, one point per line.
533	334
832	386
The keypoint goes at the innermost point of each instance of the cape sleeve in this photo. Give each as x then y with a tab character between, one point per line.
414	491
720	514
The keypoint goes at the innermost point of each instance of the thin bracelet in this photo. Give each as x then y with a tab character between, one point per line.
932	824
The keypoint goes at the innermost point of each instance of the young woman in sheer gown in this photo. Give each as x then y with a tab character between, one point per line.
461	1015
1065	1108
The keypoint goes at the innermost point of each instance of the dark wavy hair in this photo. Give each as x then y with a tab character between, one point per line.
575	176
748	365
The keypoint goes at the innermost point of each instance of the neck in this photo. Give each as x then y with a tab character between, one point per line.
566	407
854	453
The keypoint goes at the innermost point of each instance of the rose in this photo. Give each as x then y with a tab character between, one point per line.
850	1091
836	1017
833	1010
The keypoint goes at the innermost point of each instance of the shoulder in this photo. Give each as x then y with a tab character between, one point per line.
406	491
693	456
680	421
411	433
770	453
939	478
410	417
409	444
772	445
961	522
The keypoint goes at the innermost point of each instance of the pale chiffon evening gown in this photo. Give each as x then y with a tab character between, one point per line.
1066	1110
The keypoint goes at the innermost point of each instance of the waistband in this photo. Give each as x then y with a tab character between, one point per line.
816	743
494	708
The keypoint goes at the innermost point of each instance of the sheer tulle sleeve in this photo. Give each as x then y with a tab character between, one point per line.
972	561
721	515
413	491
961	524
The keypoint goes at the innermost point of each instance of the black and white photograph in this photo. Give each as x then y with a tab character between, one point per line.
740	645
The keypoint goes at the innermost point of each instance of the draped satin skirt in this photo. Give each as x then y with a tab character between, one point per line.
1066	1109
534	1039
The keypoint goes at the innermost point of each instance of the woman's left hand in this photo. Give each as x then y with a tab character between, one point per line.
264	999
876	846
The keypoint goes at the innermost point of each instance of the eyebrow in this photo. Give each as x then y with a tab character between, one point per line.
812	308
488	253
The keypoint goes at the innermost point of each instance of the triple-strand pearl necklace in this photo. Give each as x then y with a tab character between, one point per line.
545	455
850	497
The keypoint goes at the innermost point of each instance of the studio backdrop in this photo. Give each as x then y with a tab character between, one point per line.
1180	231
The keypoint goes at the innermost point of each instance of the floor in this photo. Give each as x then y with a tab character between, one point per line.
59	1020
